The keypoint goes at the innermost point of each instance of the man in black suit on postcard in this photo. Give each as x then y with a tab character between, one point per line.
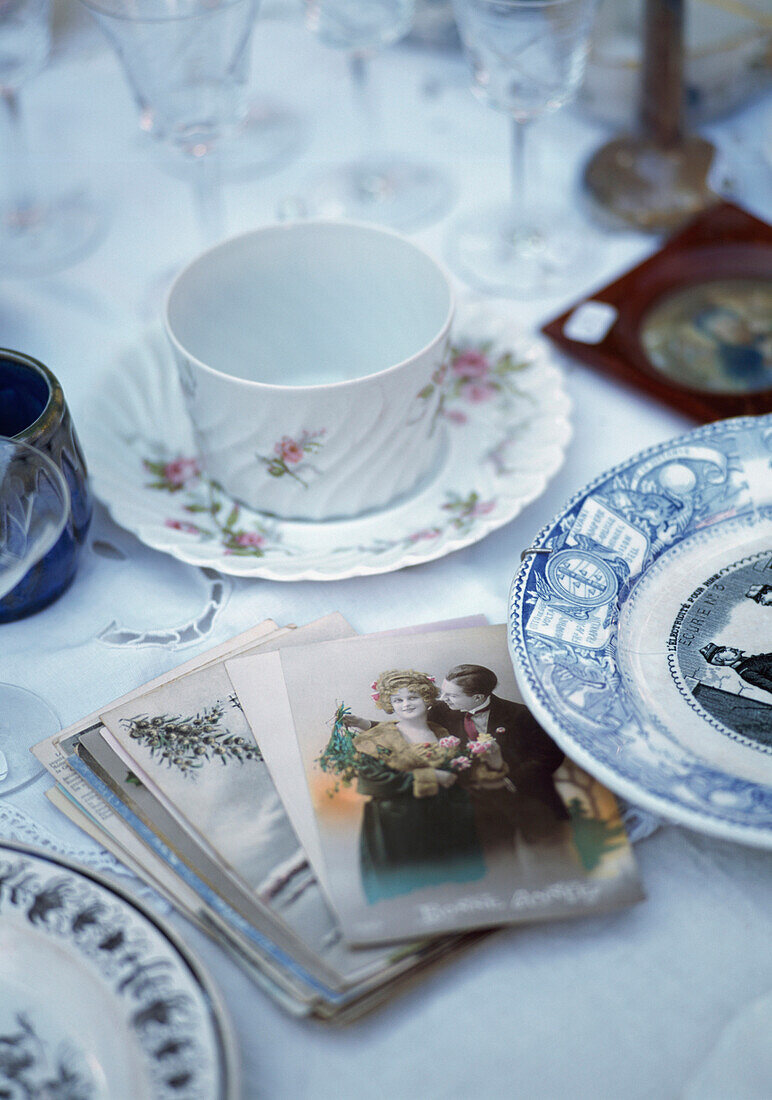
529	805
525	805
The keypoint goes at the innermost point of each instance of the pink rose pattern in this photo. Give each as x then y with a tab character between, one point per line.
217	518
288	450
249	538
173	475
426	533
289	455
178	525
465	510
478	375
462	513
473	374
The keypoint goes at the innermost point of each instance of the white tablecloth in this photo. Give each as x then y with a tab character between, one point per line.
669	999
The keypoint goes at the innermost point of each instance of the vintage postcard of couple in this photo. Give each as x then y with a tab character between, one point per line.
424	793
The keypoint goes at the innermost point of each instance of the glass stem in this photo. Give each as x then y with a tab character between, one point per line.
21	209
519	203
208	195
364	104
662	86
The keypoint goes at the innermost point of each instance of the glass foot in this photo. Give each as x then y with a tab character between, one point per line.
394	193
634	182
266	139
486	251
48	236
25	719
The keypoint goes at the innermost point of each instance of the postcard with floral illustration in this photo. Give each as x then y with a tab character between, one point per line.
440	803
336	975
190	745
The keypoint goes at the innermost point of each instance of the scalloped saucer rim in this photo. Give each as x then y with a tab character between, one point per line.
176	511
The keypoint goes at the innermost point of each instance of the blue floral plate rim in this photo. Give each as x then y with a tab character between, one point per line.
674	783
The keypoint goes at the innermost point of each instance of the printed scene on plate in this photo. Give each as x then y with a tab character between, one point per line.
722	641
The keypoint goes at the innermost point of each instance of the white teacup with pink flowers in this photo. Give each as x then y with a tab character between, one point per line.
312	356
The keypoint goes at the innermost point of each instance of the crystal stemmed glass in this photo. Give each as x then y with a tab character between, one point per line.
187	64
527	59
376	187
41	230
34	507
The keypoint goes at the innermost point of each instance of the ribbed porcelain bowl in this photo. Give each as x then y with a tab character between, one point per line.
302	349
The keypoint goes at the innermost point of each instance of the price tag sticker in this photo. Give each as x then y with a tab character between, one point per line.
590	322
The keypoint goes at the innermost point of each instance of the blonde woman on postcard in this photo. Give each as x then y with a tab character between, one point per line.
418	827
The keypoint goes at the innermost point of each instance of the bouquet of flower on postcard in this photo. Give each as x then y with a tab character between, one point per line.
437	800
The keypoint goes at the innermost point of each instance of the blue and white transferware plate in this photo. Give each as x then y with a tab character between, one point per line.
641	629
97	1000
503	415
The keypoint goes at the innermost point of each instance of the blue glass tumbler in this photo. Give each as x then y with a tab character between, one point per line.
34	411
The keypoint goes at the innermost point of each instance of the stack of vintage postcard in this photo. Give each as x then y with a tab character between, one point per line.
342	812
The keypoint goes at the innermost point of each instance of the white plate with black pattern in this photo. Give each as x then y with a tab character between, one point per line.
503	415
98	1001
641	629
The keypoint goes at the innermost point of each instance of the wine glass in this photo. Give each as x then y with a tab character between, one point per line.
527	59
34	507
187	64
40	231
376	187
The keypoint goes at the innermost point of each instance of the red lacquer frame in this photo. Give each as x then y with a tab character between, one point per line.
725	242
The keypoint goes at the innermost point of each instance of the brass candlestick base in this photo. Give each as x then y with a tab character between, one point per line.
639	183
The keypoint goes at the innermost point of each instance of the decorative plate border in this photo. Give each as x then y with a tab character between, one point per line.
108	929
506	425
635	757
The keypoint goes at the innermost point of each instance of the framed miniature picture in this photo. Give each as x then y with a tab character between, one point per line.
691	325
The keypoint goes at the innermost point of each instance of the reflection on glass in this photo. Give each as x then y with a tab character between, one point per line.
34	506
360	25
40	231
187	63
375	187
527	59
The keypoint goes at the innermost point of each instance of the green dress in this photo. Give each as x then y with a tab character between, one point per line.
415	833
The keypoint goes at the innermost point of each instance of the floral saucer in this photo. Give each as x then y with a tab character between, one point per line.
505	419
